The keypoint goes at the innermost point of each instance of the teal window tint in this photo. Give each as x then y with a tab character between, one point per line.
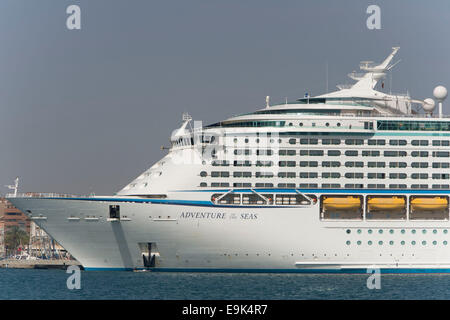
413	125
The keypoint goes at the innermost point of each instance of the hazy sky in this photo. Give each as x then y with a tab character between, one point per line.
87	110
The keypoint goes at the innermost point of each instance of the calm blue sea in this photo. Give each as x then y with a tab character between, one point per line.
51	284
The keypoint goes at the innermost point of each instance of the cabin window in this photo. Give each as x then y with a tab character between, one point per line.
376	164
397	164
263	163
370	153
376	186
354	175
286	185
441	176
259	174
263	185
376	142
419	153
334	164
351	153
419	164
242	163
306	175
352	164
442	154
334	153
419	186
333	175
419	176
331	185
375	175
397	175
397	142
420	142
445	165
264	152
287	152
444	143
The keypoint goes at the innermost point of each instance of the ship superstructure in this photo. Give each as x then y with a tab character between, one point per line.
338	182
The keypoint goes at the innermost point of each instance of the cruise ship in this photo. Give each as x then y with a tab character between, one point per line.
336	183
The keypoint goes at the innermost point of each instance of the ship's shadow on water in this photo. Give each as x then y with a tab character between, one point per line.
51	284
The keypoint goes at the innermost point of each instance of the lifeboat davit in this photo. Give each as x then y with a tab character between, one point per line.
386	203
341	203
430	203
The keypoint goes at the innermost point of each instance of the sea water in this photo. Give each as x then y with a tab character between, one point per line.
52	284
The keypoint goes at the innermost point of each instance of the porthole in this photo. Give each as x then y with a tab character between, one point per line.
359	231
369	231
434	242
403	231
413	231
380	242
358	242
391	242
338	124
348	231
380	231
290	124
391	231
434	231
301	124
413	243
348	242
235	140
445	231
424	243
445	242
327	124
402	243
424	231
369	242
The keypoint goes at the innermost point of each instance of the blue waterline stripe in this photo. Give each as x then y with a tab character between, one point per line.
201	203
171	202
312	271
352	191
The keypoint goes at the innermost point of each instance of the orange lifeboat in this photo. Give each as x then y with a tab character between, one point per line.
386	203
341	203
429	203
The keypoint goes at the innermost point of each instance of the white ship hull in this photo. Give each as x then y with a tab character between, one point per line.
210	238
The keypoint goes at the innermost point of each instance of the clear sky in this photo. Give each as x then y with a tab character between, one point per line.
87	110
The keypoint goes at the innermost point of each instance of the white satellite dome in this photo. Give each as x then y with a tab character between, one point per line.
428	105
440	93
